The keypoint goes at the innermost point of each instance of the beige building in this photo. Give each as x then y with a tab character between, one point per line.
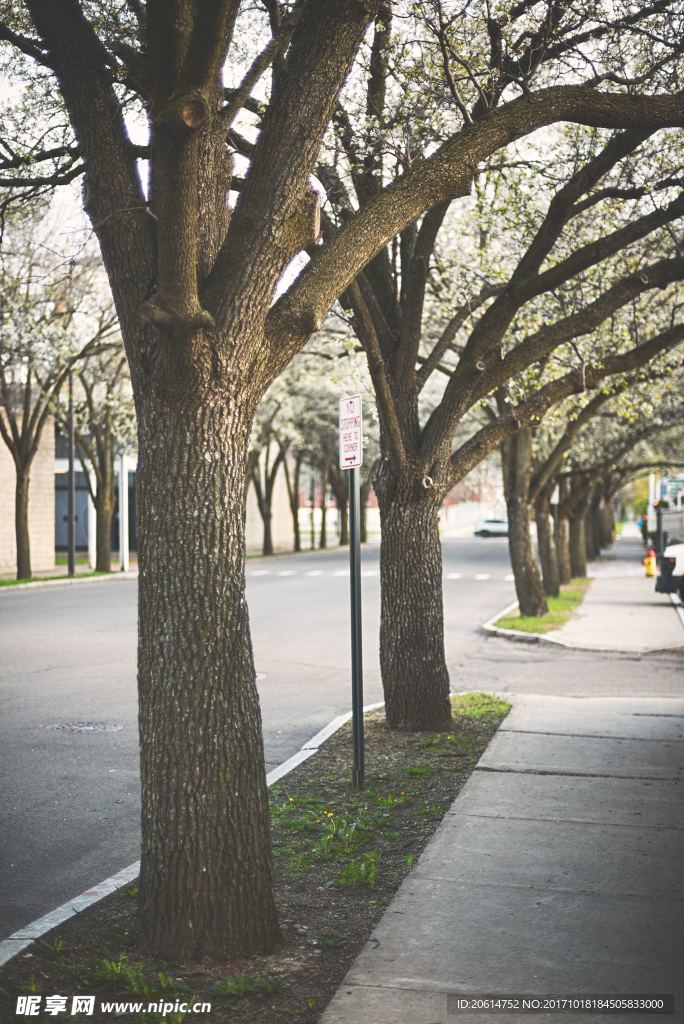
41	506
281	521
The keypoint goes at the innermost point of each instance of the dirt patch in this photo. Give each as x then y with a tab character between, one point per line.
339	857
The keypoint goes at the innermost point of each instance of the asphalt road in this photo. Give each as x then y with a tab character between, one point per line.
68	734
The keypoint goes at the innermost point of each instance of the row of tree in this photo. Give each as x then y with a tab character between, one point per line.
361	125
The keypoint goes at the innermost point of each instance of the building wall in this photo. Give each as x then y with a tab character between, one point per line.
41	506
281	521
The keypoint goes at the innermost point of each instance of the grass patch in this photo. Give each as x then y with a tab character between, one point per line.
561	609
339	858
62	558
42	579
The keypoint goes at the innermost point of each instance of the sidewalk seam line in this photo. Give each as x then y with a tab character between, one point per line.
500	770
589	735
566	821
540	887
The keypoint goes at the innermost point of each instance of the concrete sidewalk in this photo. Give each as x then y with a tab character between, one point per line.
558	870
621	611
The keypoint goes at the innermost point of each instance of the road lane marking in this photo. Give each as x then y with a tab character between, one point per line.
509	577
454	575
260	572
341	572
369	572
314	572
287	572
482	576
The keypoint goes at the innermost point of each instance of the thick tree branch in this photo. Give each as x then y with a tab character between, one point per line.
534	408
464	390
445	175
376	368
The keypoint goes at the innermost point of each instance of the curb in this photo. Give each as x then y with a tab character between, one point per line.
21	939
518	636
678	607
131	574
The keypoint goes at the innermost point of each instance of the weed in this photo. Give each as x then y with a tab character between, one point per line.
409	860
125	976
478	705
52	949
420	771
239	986
363	871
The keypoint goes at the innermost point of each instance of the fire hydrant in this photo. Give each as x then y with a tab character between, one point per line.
649	561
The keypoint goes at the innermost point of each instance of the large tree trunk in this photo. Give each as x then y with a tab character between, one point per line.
529	585
578	545
292	483
363	525
516	456
294	503
563	535
205	880
546	544
563	550
267	517
592	531
607	523
21	524
412	659
364	495
104	510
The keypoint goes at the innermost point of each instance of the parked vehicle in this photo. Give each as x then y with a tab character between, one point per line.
492	528
671	577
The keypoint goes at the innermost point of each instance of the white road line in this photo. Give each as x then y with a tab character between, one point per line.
482	576
287	572
370	572
509	577
20	940
260	572
454	575
314	572
341	572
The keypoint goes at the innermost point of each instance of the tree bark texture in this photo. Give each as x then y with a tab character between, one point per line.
578	545
592	531
517	471
103	536
546	545
563	549
412	659
21	524
607	524
205	882
267	545
363	525
292	482
563	534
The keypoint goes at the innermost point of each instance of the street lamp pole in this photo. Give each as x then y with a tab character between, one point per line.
71	509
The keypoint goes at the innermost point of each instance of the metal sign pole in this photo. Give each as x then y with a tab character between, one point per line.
71	509
358	771
351	459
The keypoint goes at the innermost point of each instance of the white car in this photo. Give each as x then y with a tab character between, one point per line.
671	577
492	528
